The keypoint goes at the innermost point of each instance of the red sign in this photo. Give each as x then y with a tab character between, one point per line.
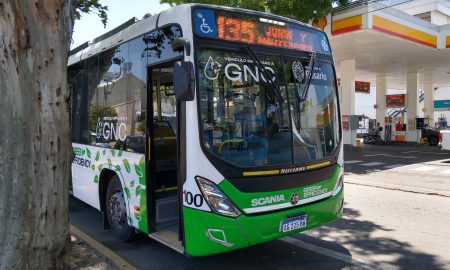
345	122
396	101
362	87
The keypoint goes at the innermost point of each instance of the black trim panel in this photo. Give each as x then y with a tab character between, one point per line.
282	182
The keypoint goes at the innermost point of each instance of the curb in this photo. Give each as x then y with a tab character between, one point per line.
424	191
108	253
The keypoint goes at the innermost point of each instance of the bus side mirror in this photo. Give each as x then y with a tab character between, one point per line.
183	81
180	44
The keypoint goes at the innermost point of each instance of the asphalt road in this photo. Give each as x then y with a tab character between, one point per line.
395	217
421	168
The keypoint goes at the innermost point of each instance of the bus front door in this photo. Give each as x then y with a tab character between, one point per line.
162	156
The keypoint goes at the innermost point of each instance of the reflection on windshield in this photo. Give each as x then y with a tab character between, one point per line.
245	123
314	118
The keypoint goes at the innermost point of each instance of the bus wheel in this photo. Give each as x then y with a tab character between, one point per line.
116	210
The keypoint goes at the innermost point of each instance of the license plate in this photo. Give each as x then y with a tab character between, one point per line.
293	224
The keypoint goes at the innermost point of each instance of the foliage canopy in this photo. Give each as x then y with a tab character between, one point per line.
88	6
301	10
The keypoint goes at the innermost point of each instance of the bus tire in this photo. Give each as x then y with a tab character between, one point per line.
116	210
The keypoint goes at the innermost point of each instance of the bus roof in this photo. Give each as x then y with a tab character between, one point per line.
134	28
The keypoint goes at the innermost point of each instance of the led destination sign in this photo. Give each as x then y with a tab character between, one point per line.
258	30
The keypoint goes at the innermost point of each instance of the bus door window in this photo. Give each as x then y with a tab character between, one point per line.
164	129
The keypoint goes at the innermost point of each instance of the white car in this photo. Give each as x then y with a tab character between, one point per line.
444	139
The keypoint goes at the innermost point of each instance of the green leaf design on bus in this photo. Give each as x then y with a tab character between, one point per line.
100	167
138	190
130	220
127	191
127	165
93	167
132	184
137	216
113	152
117	168
109	163
97	156
104	151
138	170
88	152
96	179
120	153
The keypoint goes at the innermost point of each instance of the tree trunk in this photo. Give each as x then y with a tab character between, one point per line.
35	147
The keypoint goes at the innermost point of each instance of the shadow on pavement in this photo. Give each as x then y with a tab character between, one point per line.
362	237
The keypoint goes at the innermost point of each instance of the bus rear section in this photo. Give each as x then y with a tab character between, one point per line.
265	154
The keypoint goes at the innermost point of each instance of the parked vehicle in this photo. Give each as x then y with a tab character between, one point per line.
194	145
444	140
432	135
373	137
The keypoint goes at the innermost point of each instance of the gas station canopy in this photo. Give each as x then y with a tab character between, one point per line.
386	41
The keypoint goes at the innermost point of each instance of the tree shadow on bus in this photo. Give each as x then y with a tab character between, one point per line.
364	239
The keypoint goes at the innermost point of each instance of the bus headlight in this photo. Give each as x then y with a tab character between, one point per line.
338	186
215	198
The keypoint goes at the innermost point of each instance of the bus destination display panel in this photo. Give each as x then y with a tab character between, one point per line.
258	30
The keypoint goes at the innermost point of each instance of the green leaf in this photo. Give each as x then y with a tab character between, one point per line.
96	179
109	163
93	167
88	152
117	168
130	220
104	151
127	165
138	170
138	190
113	152
137	216
120	153
100	167
97	156
132	184
127	191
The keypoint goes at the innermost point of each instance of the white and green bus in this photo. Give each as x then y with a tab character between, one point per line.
207	128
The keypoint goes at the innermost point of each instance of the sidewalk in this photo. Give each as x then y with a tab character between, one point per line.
87	253
83	256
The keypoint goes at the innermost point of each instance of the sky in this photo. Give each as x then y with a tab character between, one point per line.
119	11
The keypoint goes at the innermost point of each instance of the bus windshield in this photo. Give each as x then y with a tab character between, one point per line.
246	122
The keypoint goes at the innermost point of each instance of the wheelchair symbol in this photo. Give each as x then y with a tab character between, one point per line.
205	27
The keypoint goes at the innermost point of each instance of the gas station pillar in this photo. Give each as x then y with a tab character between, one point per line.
428	106
348	97
381	102
412	100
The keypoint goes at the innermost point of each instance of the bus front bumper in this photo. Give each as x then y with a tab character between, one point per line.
207	233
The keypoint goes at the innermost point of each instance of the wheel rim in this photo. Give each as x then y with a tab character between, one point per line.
117	208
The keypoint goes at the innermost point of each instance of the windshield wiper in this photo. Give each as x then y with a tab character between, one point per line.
255	58
305	89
